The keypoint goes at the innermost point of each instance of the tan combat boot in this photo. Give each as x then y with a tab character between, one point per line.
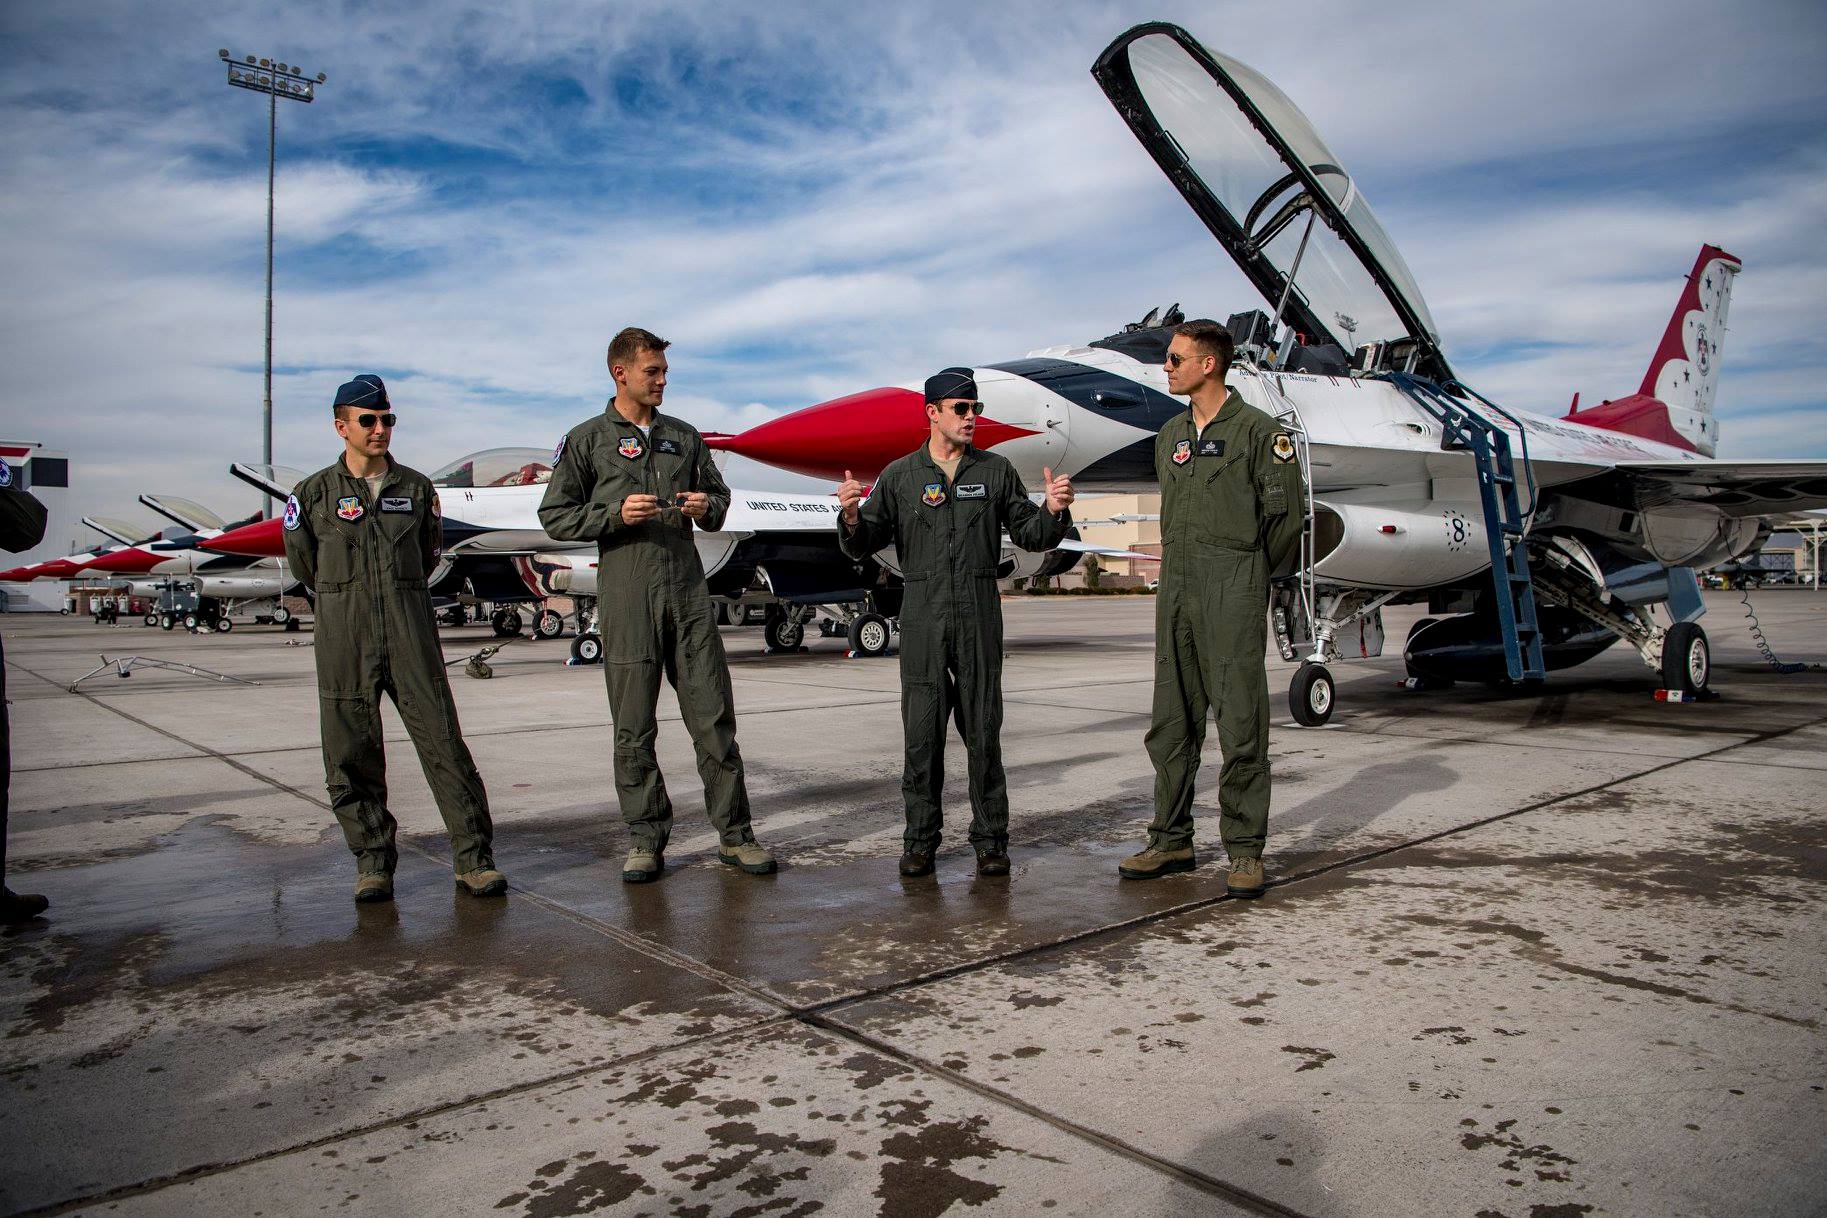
752	857
641	865
1152	864
482	882
374	886
1245	879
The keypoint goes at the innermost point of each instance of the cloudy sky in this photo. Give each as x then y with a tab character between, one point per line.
811	199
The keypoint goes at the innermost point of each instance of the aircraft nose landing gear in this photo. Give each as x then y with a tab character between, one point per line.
1310	695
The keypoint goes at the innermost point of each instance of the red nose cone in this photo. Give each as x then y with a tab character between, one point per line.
130	560
861	433
262	539
18	575
56	568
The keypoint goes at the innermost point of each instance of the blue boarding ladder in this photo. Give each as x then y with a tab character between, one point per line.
1505	523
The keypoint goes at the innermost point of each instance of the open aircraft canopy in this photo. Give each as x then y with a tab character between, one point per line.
1256	172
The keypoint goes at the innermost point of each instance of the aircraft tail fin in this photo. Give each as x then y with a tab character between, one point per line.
1684	373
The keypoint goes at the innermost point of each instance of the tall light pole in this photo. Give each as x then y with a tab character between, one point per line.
276	80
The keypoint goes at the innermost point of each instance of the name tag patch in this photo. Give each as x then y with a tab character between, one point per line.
1183	451
349	507
1211	448
667	446
933	495
972	490
396	505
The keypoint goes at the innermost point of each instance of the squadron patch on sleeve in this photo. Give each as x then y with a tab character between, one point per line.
1183	451
933	495
437	509
292	513
1283	447
6	475
559	452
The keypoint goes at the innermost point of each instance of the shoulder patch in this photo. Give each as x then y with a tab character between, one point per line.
1282	446
6	475
559	452
293	513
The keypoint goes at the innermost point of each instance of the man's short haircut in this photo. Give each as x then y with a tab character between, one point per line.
1211	339
631	342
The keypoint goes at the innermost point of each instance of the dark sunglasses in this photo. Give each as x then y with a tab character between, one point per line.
961	409
366	421
1175	359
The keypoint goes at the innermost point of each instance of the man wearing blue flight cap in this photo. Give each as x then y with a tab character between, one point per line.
364	533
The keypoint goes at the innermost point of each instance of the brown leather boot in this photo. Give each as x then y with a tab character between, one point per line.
1245	879
1152	864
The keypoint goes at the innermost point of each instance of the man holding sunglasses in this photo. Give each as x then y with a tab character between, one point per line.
365	533
1232	510
944	507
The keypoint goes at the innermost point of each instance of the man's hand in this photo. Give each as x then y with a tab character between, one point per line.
849	495
694	504
1059	491
639	509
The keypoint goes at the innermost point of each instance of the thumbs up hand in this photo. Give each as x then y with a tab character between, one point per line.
849	496
1058	490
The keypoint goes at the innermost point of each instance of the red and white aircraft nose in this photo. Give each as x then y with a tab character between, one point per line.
861	433
129	560
262	539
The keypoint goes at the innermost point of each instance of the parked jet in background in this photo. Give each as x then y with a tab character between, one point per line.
1421	489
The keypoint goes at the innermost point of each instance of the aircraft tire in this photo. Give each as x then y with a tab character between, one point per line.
1687	659
224	625
1311	695
167	622
190	622
550	624
782	635
151	619
281	616
870	634
587	648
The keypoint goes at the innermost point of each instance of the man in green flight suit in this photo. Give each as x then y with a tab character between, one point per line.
22	520
634	481
364	533
944	507
1232	510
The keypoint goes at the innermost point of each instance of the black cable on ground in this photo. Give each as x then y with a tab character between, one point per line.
1763	645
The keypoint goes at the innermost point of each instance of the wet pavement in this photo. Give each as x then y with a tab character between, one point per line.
1528	954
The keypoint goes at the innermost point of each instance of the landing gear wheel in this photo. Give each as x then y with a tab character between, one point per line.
549	624
1310	695
281	616
166	621
190	622
782	634
1687	661
506	623
224	625
152	619
870	634
587	648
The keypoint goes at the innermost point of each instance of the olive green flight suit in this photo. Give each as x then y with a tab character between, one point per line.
1232	509
367	558
655	612
22	520
948	539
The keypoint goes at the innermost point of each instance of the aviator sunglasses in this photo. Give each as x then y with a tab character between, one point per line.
964	409
366	421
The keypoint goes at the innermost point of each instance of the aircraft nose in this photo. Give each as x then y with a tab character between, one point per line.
262	539
861	432
129	561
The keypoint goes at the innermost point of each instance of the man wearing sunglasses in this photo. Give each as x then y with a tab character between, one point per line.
1232	511
944	508
364	533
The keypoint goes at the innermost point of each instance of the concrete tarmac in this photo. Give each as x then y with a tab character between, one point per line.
1528	954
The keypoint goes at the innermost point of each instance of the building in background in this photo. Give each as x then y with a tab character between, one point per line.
46	474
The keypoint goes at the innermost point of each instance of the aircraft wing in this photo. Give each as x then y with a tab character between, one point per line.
1734	488
1079	547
